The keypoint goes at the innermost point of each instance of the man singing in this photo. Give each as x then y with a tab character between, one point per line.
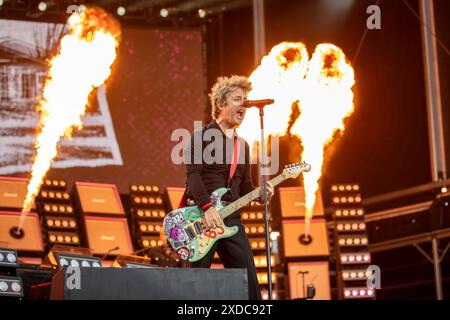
211	151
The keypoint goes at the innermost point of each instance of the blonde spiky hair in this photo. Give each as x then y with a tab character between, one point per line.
222	87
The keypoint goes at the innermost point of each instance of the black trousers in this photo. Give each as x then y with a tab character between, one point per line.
234	252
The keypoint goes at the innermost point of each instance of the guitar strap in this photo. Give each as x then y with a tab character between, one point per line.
234	162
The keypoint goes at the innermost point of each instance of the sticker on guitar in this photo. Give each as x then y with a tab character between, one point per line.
213	233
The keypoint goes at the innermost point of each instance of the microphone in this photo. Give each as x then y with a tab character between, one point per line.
141	250
257	103
109	251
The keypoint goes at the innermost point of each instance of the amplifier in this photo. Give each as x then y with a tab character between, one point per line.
316	273
95	198
30	240
13	192
292	200
104	234
174	194
295	246
150	284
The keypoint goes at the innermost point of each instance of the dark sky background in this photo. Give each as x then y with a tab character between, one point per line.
385	144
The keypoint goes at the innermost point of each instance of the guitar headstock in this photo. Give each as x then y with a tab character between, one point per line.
293	170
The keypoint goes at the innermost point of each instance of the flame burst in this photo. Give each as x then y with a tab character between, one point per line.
322	87
83	63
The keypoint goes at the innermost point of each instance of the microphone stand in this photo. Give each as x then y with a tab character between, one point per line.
266	205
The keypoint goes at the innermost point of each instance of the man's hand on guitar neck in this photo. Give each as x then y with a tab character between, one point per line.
212	218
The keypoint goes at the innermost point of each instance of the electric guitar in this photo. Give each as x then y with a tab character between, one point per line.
185	229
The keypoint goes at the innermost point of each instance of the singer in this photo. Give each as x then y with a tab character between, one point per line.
227	99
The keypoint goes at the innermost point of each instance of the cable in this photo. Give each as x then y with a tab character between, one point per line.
361	41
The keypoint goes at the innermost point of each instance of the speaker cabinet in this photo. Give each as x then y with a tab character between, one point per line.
13	192
150	284
317	274
95	198
292	200
32	237
294	243
104	234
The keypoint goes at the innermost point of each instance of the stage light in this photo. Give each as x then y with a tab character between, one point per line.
259	215
252	216
334	188
347	226
63	237
354	275
8	258
151	241
355	293
11	287
262	278
274	235
42	6
60	222
164	12
201	13
355	258
121	11
62	256
444	189
1	3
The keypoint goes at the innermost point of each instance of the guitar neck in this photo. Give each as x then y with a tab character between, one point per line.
243	201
